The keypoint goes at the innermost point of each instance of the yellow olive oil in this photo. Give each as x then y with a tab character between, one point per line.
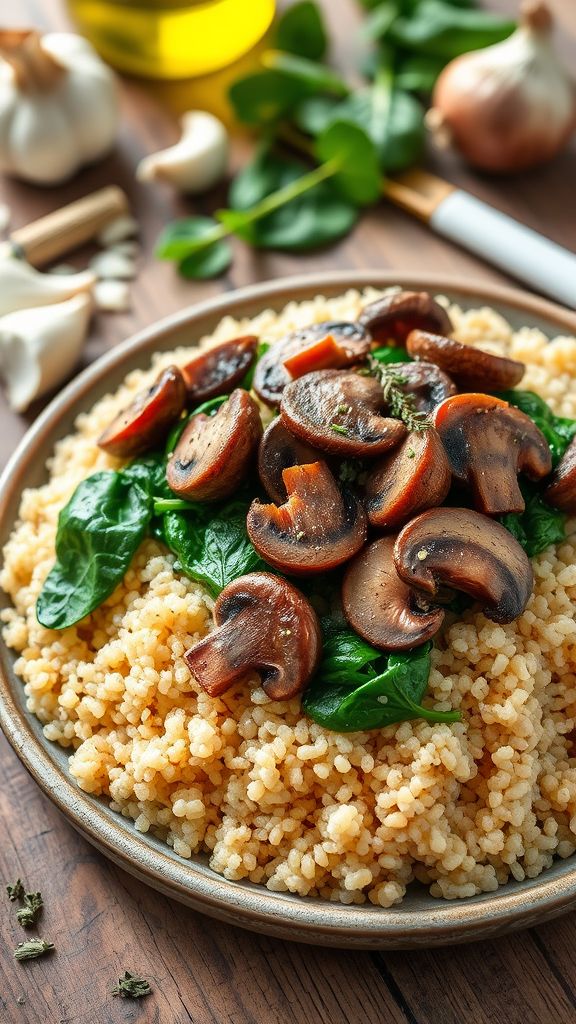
172	38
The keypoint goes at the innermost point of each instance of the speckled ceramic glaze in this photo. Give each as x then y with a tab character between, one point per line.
420	920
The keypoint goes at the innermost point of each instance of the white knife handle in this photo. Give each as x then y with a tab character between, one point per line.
507	244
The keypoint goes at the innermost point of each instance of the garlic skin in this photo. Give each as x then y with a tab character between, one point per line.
58	105
510	106
21	286
197	162
40	347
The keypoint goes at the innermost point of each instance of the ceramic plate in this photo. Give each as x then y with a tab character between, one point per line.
420	920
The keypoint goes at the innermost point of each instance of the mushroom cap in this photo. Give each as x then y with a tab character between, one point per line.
413	477
271	376
317	529
264	625
339	411
468	552
489	442
214	453
561	491
218	370
380	606
391	318
148	418
427	383
278	450
471	368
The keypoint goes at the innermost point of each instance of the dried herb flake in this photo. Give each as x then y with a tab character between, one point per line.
130	986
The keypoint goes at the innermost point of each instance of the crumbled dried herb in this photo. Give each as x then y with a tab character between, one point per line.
16	891
131	987
338	428
32	949
28	914
401	404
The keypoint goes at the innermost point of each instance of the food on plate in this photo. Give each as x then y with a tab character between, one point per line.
322	625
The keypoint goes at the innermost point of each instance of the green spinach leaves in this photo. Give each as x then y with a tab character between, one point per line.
359	688
98	533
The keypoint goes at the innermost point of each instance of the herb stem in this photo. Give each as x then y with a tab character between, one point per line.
289	192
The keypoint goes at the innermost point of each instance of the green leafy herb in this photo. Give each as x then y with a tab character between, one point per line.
198	244
29	913
315	77
558	430
314	113
402	405
300	29
539	525
16	891
264	97
32	948
419	73
359	688
391	354
212	546
446	30
338	428
130	986
98	533
354	161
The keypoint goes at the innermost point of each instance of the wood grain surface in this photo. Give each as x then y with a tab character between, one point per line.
101	920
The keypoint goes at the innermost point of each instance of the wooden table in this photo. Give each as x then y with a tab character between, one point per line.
103	921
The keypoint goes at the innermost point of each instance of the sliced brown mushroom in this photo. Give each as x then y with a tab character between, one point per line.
488	443
147	420
391	318
471	368
379	605
561	491
218	370
279	450
413	477
316	529
427	383
214	453
271	376
465	551
264	625
341	412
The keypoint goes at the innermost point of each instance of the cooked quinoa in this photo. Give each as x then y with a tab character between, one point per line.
270	795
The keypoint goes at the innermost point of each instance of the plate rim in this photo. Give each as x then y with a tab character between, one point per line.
255	907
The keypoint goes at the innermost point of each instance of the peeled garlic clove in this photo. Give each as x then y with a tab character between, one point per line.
197	162
118	230
40	347
112	296
21	286
113	265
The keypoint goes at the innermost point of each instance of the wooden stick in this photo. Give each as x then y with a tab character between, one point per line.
65	229
418	192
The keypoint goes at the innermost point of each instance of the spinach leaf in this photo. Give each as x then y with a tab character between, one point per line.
558	430
300	29
539	525
353	154
190	241
391	354
98	533
212	544
313	114
311	74
149	471
314	218
358	688
442	29
419	73
263	97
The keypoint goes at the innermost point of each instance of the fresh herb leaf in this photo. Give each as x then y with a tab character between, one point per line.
212	262
16	891
312	219
263	97
418	73
198	244
402	404
539	525
445	30
352	152
352	691
314	77
263	347
391	354
29	913
98	533
130	986
32	948
212	547
300	29
313	114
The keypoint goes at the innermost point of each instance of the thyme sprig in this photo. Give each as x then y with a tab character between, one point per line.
401	404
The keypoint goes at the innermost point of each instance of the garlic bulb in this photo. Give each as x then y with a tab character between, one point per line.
40	347
509	106
58	105
21	286
197	162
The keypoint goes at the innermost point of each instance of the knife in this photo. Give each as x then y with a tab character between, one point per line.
487	232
